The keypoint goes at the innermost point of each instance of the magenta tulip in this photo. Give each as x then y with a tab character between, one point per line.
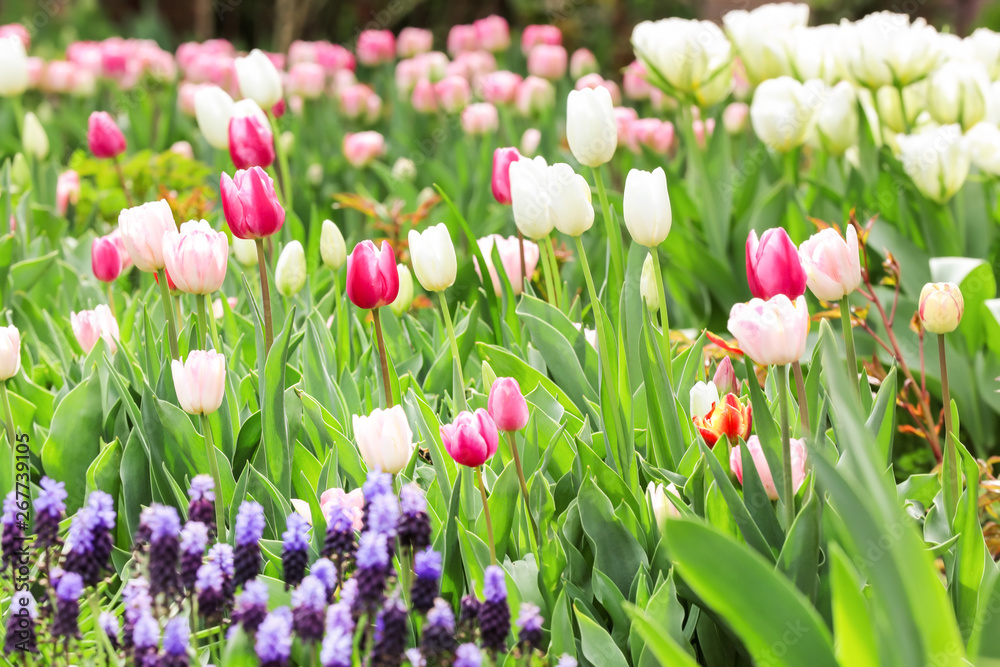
251	142
103	136
250	204
472	438
105	259
502	157
372	279
376	46
773	265
507	406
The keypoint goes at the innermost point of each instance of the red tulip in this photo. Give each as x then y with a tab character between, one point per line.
250	204
471	439
729	418
502	157
507	406
773	265
104	137
372	279
105	259
251	142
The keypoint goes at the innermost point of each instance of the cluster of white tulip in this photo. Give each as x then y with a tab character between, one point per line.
932	97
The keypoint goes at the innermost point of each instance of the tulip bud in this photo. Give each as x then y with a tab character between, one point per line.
582	62
480	118
10	352
492	33
332	249
590	126
782	111
250	204
182	148
569	200
200	381
734	117
539	34
287	141
412	41
372	278
941	307
251	142
534	96
404	298
703	398
196	258
384	439
453	93
33	138
725	378
432	254
103	136
509	250
832	265
105	260
662	507
245	251
404	170
728	418
646	206
14	74
143	229
307	80
771	332
837	119
472	439
529	142
290	273
499	87
798	451
376	47
507	406
67	190
937	160
314	174
773	265
647	285
213	108
90	326
361	148
529	197
547	61
957	93
258	79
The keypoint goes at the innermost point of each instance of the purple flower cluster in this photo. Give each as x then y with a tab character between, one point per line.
295	549
21	636
309	609
250	524
529	623
438	641
494	613
427	566
89	544
12	540
68	593
194	539
163	526
251	606
414	529
274	638
201	508
50	505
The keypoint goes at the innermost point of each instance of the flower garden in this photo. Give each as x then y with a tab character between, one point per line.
376	354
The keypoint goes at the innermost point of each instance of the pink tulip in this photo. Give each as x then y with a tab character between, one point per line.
509	250
433	65
530	140
452	93
307	80
67	190
16	30
480	118
408	72
547	61
376	47
197	257
798	452
471	65
597	81
773	265
90	326
832	264
182	148
462	38
412	41
200	381
116	237
103	136
502	157
353	503
499	87
492	33
507	406
471	439
36	71
534	35
702	130
372	279
143	229
354	100
219	311
361	148
634	81
625	117
735	116
185	97
771	332
582	62
335	58
105	260
298	52
534	95
58	76
424	97
251	142
250	204
725	378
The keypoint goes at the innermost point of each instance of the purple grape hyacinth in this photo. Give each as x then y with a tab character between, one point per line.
427	565
163	526
12	541
414	528
210	585
309	609
251	606
194	539
250	524
202	505
372	569
494	614
49	507
468	655
295	549
176	642
145	639
111	627
438	640
324	570
137	601
68	594
390	634
274	638
529	623
340	543
89	544
21	636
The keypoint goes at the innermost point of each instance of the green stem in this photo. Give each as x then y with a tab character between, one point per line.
800	389
202	322
664	317
385	362
103	642
460	389
950	470
614	232
550	255
168	310
902	109
213	467
486	511
591	290
524	494
9	427
286	181
341	329
215	332
265	294
852	355
788	496
121	181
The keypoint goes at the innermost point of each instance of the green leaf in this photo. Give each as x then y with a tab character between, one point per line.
851	621
74	439
597	645
799	558
276	449
665	649
616	551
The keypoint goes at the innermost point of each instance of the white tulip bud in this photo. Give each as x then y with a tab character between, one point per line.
33	137
213	107
290	274
569	200
647	284
404	298
245	251
590	126
432	254
332	248
646	206
259	79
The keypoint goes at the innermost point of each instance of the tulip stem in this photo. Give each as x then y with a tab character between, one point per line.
544	248
664	317
524	267
950	462
286	181
800	389
781	375
111	302
486	512
385	362
511	440
9	427
852	355
460	389
213	467
168	310
613	230
215	333
265	295
202	322
121	181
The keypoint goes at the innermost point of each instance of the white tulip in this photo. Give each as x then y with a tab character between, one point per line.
404	298
259	79
814	53
569	200
937	160
694	58
245	251
33	137
213	107
290	273
384	439
647	284
646	206
590	126
662	507
529	197
782	111
958	92
837	119
10	351
891	108
702	398
758	34
984	45
984	147
432	254
332	248
14	73
887	49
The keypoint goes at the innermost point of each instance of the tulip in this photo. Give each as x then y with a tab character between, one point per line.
694	57
646	206
404	298
452	93
984	46
782	111
734	117
984	147
352	502
219	311
384	439
245	251
492	33
251	141
67	190
539	34
105	260
143	229
14	75
361	148
703	398
462	38
307	80
332	249
499	87
547	61
724	379
17	31
250	204
837	119
529	197
941	307
89	326
890	111
832	265
529	142
103	136
937	160
506	405
590	126
424	98
376	47
290	273
647	284
958	93
10	353
412	41
662	507
569	200
756	33
33	138
771	332
634	81
432	254
480	118
372	279
472	439
213	108
200	381
595	81
728	417
798	456
773	265
258	79
534	96
886	49
182	148
510	257
196	258
502	159
582	62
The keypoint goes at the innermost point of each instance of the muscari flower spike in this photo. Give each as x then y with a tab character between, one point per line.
295	549
251	606
202	505
164	527
529	622
494	613
250	525
427	565
414	528
21	616
68	594
176	642
468	655
12	540
439	633
194	539
390	633
49	508
309	609
274	638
